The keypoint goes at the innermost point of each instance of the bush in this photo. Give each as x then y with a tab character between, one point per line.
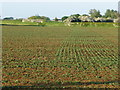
41	24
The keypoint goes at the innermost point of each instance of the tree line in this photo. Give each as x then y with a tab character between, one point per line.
93	13
96	13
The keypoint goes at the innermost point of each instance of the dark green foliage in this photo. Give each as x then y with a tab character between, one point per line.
65	17
45	18
85	15
56	19
8	18
76	15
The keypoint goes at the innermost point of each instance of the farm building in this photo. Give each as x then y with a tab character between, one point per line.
70	20
100	19
85	18
117	20
33	20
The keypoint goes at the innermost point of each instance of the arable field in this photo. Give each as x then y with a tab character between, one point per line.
60	56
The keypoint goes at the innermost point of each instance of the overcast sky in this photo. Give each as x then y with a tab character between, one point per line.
53	9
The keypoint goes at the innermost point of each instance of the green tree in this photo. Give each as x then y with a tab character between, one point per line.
111	13
107	13
76	15
45	18
94	13
56	19
34	17
65	17
40	17
8	18
85	15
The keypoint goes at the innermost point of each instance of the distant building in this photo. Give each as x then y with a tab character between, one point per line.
33	20
85	19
